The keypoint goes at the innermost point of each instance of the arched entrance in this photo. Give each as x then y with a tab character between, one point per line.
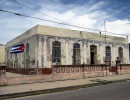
93	54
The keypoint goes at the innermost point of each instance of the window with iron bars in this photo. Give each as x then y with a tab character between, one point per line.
108	54
56	52
76	53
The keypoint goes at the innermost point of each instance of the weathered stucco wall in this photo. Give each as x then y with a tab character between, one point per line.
2	53
21	57
53	31
40	40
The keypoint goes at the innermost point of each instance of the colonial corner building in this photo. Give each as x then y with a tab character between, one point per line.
46	46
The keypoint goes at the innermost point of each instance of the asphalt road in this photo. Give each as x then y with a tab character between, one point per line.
118	91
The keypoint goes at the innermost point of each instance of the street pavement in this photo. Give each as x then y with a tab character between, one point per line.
118	91
37	88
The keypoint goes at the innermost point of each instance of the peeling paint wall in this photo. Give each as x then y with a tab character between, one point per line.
40	40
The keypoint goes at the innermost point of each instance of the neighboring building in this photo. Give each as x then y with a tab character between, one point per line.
2	53
45	46
129	52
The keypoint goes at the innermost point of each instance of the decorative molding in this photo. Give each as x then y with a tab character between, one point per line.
101	53
79	42
49	36
85	53
36	47
21	60
88	44
57	39
67	50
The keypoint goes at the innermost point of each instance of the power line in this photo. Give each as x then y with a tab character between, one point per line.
18	14
114	33
34	9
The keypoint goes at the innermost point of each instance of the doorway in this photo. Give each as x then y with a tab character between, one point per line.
93	54
92	57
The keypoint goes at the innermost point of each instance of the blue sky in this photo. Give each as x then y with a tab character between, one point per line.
85	13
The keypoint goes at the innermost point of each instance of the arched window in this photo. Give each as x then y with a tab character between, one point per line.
76	53
27	56
120	53
56	52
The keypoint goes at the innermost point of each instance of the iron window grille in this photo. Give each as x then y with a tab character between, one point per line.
56	52
76	53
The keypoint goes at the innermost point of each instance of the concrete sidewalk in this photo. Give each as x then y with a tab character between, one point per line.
28	88
9	74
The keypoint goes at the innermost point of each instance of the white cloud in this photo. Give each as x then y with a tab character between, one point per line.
72	16
118	26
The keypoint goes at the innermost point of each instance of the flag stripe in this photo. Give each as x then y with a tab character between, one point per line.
17	49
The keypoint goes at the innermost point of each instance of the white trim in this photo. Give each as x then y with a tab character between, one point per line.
25	54
89	49
56	39
51	40
45	51
85	56
61	48
21	60
114	47
36	51
80	43
101	53
80	49
13	60
67	50
117	50
39	53
97	51
72	42
123	52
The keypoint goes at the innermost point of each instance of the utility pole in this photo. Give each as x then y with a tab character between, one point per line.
105	38
105	31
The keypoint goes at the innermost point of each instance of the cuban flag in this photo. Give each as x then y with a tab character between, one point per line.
17	49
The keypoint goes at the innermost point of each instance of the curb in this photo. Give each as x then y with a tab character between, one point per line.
37	92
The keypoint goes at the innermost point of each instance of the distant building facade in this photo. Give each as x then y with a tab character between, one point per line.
45	46
2	53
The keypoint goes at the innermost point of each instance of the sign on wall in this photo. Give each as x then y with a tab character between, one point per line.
17	49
